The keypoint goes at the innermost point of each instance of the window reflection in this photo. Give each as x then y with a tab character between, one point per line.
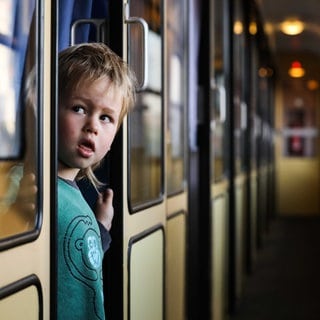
146	119
176	99
218	129
18	114
145	137
218	97
239	83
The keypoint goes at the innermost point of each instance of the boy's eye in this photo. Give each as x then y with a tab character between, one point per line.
78	109
105	118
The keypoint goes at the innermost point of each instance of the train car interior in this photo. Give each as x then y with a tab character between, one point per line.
215	171
285	276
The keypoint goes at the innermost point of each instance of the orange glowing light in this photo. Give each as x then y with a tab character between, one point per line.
296	70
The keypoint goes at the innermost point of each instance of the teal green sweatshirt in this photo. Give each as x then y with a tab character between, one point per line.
80	254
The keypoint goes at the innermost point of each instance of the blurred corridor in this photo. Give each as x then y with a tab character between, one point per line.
286	280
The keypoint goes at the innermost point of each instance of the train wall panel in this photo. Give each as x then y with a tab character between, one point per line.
175	267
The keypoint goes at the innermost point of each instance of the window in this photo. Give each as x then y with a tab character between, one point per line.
19	115
146	119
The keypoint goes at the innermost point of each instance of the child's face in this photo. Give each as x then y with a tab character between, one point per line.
88	122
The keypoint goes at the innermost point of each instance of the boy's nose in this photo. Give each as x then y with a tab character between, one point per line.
91	126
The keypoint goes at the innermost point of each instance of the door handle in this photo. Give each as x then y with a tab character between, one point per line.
145	31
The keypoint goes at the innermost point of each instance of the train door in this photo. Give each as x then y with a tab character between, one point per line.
253	133
220	182
144	205
214	162
176	80
265	149
260	136
238	215
26	161
197	280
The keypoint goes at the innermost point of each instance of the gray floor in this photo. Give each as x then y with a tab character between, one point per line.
286	281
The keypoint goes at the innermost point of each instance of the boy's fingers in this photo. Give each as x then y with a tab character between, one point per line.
107	195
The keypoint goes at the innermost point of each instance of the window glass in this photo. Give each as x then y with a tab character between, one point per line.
176	97
239	103
145	121
18	117
218	97
254	120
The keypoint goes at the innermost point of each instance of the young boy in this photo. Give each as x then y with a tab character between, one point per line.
96	91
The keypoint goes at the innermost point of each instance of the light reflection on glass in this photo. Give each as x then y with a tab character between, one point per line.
18	114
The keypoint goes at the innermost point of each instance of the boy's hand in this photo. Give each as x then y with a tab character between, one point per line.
104	208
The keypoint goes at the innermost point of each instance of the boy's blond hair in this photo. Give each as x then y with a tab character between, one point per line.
89	62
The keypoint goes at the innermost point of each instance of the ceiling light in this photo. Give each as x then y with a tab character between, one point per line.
238	27
253	29
265	72
296	70
292	26
313	85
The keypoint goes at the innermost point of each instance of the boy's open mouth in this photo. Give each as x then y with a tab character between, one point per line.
86	147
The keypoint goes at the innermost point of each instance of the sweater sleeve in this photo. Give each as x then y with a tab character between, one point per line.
105	237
